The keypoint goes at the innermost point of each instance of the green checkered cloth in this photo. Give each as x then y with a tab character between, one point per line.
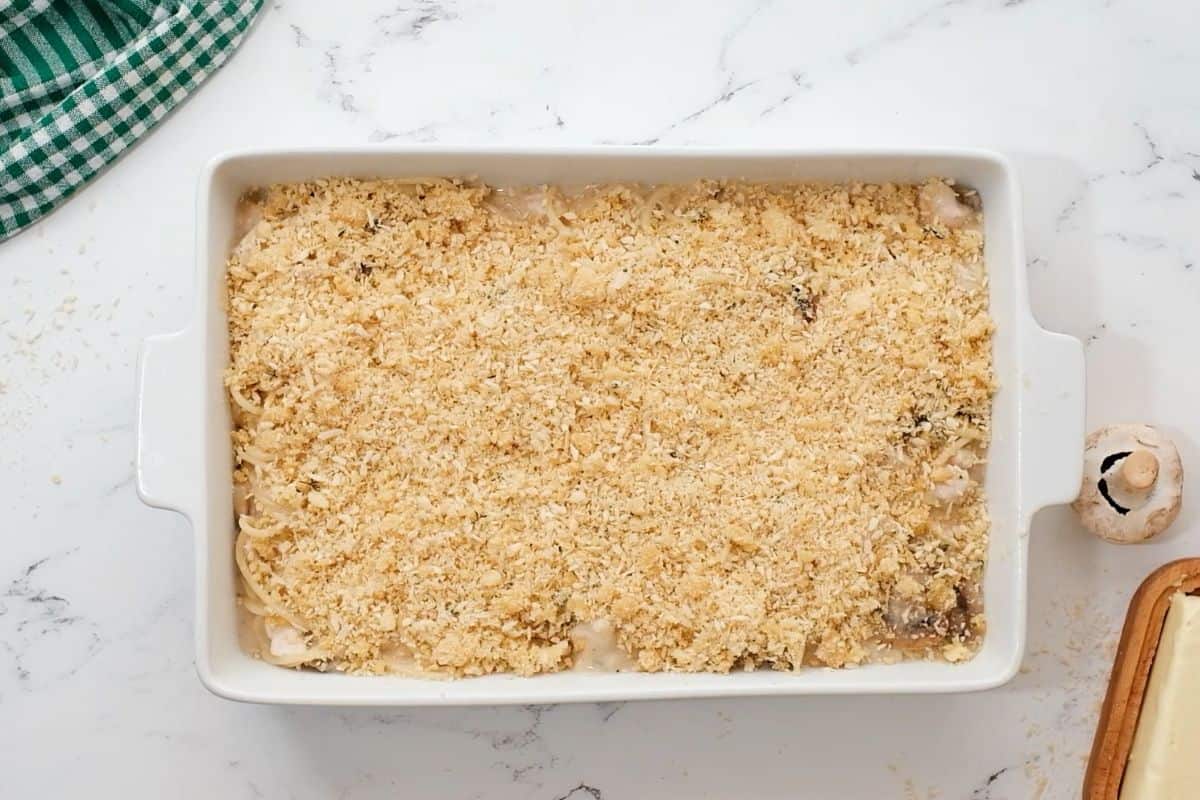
82	80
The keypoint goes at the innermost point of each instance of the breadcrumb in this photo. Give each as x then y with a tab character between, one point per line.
709	419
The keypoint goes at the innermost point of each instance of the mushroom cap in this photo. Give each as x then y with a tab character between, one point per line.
1132	483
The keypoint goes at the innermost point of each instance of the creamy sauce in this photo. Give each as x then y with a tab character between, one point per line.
517	203
284	641
940	203
247	214
399	660
596	649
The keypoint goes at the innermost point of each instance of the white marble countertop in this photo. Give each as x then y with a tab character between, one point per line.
1097	102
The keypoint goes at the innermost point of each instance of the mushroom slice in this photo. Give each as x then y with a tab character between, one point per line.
1132	483
951	482
914	621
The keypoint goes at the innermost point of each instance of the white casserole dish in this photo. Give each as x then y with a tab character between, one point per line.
184	459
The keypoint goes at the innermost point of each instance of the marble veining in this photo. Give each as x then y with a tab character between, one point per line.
44	636
410	21
1093	100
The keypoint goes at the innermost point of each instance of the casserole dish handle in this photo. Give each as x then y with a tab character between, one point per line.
1052	419
169	466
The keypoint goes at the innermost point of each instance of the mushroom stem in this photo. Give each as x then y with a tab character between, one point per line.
1139	470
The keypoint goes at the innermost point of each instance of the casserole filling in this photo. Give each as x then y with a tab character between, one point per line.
701	427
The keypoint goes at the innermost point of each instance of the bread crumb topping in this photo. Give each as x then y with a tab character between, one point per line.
733	425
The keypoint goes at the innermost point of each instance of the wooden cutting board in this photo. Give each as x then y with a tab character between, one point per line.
1130	674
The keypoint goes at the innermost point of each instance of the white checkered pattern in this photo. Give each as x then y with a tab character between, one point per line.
56	135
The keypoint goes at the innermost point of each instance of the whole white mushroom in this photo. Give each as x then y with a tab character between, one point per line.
1132	483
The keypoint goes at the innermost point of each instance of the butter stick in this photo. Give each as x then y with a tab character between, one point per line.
1165	761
